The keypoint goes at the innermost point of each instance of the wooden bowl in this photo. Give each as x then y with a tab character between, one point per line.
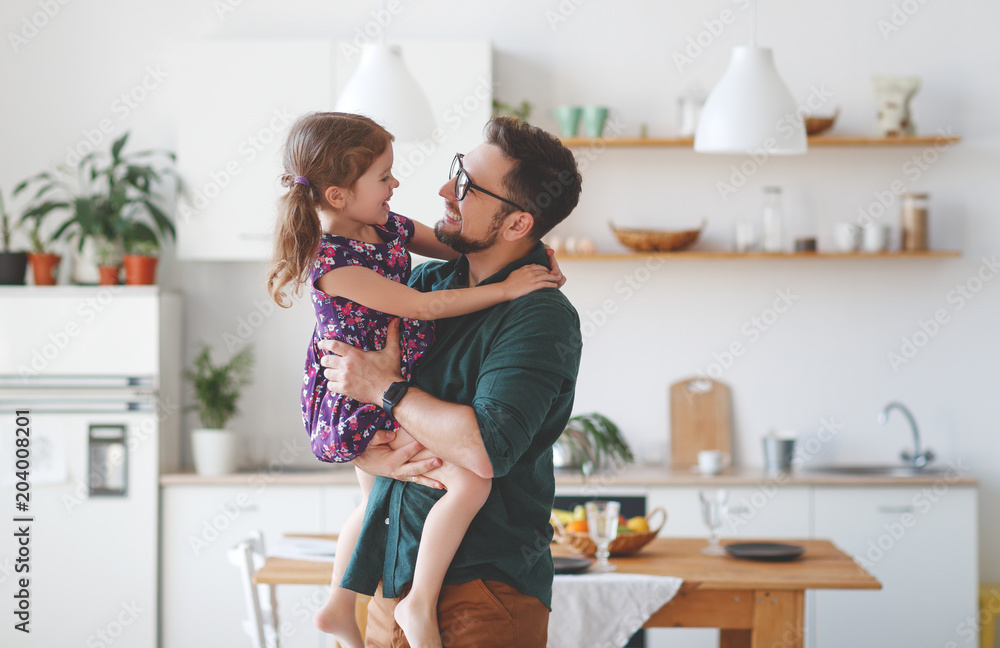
625	545
656	240
816	125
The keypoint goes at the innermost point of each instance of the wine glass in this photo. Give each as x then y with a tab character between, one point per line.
602	524
713	510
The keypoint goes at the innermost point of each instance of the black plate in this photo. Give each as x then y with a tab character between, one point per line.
566	565
765	551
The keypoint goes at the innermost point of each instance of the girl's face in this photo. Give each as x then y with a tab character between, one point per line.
368	202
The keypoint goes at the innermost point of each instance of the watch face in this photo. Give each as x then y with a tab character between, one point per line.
395	392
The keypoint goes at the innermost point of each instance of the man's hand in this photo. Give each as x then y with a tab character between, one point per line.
555	271
380	460
362	375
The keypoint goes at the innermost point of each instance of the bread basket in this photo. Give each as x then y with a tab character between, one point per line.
623	545
656	240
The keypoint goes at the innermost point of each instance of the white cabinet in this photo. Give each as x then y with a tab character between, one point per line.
921	544
201	591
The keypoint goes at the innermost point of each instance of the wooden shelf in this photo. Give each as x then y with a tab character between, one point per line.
817	140
721	254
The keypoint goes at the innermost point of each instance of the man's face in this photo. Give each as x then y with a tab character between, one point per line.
473	225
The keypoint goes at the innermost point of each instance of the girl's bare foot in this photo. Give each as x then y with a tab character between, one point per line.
418	621
340	623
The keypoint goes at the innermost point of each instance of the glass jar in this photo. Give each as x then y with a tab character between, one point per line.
914	221
771	217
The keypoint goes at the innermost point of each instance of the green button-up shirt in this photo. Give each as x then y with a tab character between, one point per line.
515	364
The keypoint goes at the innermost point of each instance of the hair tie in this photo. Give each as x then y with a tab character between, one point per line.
302	181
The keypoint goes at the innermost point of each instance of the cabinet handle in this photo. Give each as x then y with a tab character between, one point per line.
253	508
739	510
896	509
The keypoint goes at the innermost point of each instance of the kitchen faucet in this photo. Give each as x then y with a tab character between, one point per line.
918	459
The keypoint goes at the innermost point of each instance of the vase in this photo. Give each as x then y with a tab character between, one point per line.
214	451
109	274
139	270
44	267
85	270
13	266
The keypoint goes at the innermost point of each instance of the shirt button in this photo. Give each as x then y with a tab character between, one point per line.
387	521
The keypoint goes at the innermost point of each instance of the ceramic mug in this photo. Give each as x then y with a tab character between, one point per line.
569	119
847	236
593	120
712	462
875	237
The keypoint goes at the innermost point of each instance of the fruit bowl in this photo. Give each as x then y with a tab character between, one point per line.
623	545
656	240
816	125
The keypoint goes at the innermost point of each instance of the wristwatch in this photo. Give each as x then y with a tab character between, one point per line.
393	395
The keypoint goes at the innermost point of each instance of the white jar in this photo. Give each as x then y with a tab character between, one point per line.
771	217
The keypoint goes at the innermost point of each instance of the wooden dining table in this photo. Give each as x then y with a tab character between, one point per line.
754	604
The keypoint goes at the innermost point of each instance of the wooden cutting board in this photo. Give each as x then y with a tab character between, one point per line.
699	420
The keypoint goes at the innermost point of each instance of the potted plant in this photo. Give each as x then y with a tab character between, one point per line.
12	264
591	443
115	195
140	260
44	262
521	112
216	391
108	256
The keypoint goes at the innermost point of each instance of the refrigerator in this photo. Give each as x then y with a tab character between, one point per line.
90	414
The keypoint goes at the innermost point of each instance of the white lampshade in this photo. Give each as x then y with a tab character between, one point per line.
383	88
750	109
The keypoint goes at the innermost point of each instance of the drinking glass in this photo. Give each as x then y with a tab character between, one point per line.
602	523
713	512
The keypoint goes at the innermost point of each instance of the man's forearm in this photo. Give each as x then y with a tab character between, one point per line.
448	430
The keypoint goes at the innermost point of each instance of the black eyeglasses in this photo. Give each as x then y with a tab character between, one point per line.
464	183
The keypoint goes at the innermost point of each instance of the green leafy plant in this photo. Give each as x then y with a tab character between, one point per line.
522	112
217	387
115	197
592	443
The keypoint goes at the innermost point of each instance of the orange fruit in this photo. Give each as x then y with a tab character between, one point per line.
577	526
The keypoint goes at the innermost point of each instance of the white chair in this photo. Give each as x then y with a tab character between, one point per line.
261	602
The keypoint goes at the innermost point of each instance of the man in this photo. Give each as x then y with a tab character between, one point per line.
492	395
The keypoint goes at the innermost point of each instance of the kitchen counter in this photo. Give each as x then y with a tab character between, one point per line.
632	476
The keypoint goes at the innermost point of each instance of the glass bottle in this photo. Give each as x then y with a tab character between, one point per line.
773	238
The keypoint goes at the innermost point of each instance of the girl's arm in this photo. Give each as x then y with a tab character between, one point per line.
369	288
425	243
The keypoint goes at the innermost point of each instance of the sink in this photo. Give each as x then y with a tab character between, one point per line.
893	470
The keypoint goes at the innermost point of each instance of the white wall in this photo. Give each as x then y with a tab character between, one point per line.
825	357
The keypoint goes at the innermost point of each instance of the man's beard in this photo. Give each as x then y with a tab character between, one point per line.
465	245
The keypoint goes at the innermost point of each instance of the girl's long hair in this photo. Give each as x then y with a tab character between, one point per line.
327	149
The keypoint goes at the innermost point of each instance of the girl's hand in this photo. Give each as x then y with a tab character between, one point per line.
528	279
555	271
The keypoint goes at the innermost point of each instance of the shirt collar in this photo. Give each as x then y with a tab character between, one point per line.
536	255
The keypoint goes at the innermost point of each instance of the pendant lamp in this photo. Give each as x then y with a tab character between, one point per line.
751	108
384	89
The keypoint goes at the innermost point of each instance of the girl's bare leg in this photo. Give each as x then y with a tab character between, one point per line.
443	531
336	617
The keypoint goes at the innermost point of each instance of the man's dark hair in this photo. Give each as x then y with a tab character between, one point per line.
544	179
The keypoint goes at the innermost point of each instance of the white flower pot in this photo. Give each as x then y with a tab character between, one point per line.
214	451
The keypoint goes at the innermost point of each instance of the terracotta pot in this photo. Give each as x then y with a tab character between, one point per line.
44	267
109	275
139	270
12	268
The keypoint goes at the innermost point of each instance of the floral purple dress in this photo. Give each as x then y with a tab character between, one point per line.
339	427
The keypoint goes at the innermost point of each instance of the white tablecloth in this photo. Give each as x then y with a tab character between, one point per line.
604	610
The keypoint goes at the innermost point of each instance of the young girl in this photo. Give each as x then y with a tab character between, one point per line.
335	231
